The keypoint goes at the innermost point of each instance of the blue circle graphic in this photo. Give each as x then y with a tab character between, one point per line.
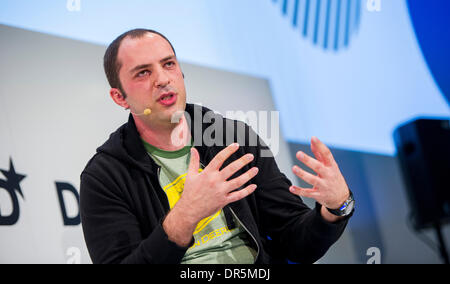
431	23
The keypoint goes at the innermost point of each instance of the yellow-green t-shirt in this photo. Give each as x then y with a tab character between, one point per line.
213	241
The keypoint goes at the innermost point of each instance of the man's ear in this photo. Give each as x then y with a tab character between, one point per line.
118	98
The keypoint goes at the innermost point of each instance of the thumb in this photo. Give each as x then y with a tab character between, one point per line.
194	163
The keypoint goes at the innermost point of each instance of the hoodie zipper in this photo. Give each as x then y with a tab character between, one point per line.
248	231
165	195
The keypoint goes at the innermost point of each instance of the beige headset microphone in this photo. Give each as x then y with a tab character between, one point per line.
146	112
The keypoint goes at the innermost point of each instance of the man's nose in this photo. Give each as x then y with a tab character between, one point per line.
162	79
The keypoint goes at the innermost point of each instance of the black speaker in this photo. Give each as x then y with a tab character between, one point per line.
423	151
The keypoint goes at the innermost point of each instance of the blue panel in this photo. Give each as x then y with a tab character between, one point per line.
327	25
347	22
337	24
314	14
285	7
305	24
295	15
316	24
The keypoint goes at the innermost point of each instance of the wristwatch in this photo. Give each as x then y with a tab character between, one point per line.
346	208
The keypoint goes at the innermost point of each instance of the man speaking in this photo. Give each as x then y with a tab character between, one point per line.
155	192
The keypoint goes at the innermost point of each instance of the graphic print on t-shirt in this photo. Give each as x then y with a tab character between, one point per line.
174	190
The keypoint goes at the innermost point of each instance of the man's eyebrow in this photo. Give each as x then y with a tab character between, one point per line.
143	66
170	57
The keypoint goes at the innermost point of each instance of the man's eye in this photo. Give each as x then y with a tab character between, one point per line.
170	64
143	73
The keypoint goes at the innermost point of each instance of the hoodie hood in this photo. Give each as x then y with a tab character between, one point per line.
125	143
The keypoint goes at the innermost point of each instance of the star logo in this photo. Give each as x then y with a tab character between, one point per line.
12	185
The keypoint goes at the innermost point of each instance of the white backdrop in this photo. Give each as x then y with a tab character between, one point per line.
351	99
54	112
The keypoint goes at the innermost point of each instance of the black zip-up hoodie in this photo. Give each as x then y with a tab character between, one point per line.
123	205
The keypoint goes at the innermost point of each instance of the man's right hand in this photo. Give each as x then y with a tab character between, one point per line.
207	192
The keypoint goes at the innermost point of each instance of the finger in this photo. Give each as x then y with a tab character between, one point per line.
310	162
240	194
229	170
242	179
316	152
305	192
304	175
194	163
222	156
320	149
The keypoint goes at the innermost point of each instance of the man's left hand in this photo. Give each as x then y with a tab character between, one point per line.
329	186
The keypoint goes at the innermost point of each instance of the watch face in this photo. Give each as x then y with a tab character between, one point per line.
346	208
349	208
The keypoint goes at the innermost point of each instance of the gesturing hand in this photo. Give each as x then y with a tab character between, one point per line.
329	186
208	191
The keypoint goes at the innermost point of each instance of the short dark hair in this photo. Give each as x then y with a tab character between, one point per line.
110	62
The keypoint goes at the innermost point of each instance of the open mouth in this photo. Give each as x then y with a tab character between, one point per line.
168	99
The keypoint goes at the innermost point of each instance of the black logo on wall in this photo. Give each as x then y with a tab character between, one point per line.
11	184
67	187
